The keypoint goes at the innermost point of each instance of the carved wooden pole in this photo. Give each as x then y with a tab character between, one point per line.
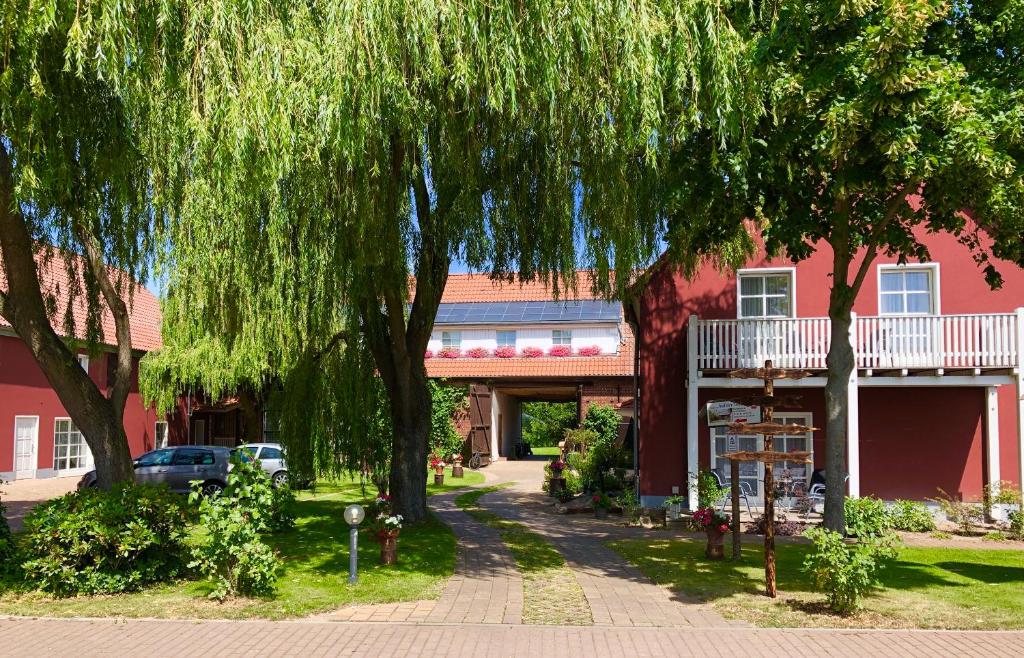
769	489
734	475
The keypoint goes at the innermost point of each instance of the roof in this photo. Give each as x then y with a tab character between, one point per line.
612	365
483	288
531	312
143	306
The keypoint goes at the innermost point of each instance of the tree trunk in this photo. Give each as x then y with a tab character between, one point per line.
98	418
840	362
410	412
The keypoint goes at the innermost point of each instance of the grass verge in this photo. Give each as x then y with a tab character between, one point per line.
546	451
926	588
551	595
313	576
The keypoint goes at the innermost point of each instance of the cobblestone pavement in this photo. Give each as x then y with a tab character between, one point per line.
486	588
20	496
50	638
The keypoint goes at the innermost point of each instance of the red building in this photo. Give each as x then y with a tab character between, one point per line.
935	400
37	438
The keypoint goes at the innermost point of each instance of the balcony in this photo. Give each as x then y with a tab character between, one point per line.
964	344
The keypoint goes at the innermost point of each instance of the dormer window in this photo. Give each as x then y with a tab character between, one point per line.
451	340
506	338
561	337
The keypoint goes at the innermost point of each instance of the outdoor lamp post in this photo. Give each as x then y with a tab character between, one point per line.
353	516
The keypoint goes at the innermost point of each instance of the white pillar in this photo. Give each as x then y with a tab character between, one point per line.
495	429
691	410
853	418
1020	398
992	435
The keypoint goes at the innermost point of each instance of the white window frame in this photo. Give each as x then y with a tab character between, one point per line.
497	337
451	340
933	276
83	360
561	337
763	272
156	434
88	452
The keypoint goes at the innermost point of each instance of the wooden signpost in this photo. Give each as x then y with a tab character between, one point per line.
767	401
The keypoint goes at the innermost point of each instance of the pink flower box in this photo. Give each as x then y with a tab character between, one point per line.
478	353
532	352
428	354
505	352
589	350
560	350
450	353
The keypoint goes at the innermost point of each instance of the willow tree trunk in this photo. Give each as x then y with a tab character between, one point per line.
840	362
410	415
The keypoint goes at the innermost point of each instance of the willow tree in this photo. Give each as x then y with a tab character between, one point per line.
884	121
338	155
73	178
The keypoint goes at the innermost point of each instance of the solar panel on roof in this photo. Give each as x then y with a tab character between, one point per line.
528	312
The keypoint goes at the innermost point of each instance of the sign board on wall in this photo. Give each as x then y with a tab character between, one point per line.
725	412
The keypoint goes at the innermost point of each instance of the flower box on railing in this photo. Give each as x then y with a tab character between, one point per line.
450	353
560	350
478	353
590	350
429	354
532	352
505	352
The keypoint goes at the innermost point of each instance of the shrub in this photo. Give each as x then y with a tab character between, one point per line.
846	572
8	548
532	352
93	541
270	508
560	350
589	350
1003	492
708	491
449	353
866	517
630	504
1015	524
604	421
445	402
911	516
232	554
783	526
965	515
505	352
478	353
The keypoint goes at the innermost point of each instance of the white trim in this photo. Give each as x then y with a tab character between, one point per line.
156	434
791	271
1020	397
83	360
67	472
35	450
853	421
993	475
925	381
935	291
692	390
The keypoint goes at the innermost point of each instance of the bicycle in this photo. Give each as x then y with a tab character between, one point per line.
474	461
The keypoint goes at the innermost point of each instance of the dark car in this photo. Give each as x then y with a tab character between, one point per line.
178	468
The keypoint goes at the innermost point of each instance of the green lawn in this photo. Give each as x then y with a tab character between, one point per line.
925	588
547	451
314	570
551	594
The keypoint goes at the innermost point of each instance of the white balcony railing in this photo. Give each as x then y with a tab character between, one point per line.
927	341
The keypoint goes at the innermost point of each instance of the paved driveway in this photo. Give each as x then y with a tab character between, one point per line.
21	496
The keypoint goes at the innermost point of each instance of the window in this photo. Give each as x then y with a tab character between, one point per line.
796	472
156	458
270	453
451	339
561	337
904	290
506	339
160	434
192	457
83	360
271	424
765	294
70	450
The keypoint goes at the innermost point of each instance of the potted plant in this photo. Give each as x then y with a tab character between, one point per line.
557	483
457	471
387	527
505	352
674	507
560	350
715	524
437	464
602	503
532	352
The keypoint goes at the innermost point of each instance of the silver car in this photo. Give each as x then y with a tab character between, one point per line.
271	457
178	468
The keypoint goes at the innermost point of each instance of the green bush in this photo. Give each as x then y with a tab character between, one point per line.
911	516
232	554
965	515
846	572
93	541
544	423
604	421
8	548
446	401
866	517
1016	525
708	491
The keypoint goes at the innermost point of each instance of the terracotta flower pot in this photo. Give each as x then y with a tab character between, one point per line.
389	547
556	485
715	550
438	479
457	471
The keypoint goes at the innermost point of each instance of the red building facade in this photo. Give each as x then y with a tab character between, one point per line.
935	399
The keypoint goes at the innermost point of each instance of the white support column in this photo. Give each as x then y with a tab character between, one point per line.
853	419
692	391
992	476
1020	398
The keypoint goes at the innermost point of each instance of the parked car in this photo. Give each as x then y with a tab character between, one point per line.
271	457
178	468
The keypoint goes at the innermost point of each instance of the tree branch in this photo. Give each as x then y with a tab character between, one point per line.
891	212
341	336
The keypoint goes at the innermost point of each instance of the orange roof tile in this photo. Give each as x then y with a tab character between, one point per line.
143	306
612	365
482	288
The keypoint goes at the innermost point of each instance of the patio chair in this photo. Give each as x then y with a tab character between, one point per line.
816	491
745	491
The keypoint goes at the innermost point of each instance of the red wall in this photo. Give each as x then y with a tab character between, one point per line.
24	391
670	299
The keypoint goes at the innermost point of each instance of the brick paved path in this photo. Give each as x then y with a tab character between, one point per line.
486	587
52	638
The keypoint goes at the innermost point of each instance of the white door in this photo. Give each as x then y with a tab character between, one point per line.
26	446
